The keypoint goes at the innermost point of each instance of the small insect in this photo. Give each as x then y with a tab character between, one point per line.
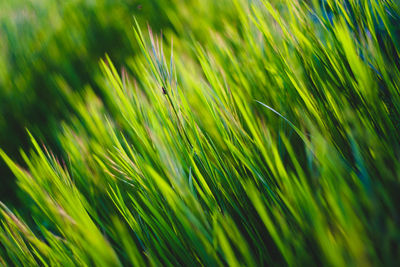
164	91
139	7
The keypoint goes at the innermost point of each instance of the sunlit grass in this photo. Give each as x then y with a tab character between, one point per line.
269	135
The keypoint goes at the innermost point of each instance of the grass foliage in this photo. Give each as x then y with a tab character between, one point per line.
250	133
43	41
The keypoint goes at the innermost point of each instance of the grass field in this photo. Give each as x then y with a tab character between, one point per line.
245	133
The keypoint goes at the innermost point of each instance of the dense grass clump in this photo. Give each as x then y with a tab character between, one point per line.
45	41
251	133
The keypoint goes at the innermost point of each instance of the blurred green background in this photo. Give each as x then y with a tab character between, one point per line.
43	42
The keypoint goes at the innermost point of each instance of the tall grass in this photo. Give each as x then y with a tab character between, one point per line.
42	41
253	133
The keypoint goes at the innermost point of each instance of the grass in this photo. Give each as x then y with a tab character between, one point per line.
43	41
250	133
